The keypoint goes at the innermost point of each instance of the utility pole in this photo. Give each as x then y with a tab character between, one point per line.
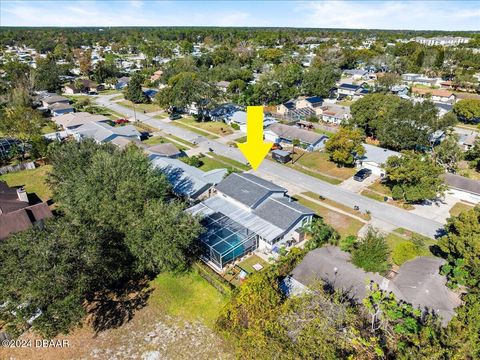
134	112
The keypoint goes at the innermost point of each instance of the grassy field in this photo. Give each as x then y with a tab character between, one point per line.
345	225
318	161
372	195
187	296
400	235
460	207
140	107
381	188
216	127
49	127
34	181
337	205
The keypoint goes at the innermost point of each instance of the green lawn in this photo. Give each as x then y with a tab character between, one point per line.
324	132
180	140
49	127
372	195
337	205
314	174
34	181
381	188
401	235
241	139
216	127
345	225
320	162
140	107
210	164
248	263
194	129
188	296
154	140
460	207
230	162
109	92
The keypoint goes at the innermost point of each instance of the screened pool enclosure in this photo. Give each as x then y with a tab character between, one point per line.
225	240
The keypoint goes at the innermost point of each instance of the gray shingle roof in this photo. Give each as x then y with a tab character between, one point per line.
291	133
282	212
462	183
247	189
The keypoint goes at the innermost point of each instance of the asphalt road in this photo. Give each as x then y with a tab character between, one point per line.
387	213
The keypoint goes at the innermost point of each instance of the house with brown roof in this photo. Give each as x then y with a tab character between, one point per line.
435	94
16	213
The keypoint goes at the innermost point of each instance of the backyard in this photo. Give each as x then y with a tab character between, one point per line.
34	181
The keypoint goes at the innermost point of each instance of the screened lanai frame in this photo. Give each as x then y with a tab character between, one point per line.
225	240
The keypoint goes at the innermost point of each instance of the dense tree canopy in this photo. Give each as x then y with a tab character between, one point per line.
115	224
467	110
345	146
414	177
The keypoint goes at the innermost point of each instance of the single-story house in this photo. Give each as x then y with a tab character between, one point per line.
166	149
122	83
280	133
356	74
335	114
58	109
103	133
417	281
83	85
248	213
70	89
441	95
467	141
223	112
188	181
16	213
374	158
240	118
52	99
351	90
463	188
73	120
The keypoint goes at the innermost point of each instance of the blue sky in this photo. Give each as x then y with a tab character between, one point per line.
416	15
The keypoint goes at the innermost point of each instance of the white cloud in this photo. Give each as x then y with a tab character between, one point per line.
426	15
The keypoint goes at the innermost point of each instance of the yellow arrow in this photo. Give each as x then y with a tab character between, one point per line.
255	149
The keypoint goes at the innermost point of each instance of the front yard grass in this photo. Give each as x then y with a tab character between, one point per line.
241	140
337	205
140	107
181	141
194	129
211	164
49	127
216	127
314	174
188	296
34	181
227	161
400	235
344	224
319	161
460	207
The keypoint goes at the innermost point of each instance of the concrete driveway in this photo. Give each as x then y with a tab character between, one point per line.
438	211
358	186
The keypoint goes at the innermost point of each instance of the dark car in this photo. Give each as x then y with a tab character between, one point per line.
362	175
175	116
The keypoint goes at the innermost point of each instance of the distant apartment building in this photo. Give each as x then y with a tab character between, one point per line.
442	40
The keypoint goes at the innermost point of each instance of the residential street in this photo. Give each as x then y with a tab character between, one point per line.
383	212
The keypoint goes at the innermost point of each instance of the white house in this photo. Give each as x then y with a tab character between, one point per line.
374	158
463	188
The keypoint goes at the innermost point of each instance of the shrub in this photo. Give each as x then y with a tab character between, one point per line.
235	126
404	251
348	244
193	161
321	234
397	192
371	252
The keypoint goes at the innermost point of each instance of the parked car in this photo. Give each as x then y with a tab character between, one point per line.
175	116
121	121
362	175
